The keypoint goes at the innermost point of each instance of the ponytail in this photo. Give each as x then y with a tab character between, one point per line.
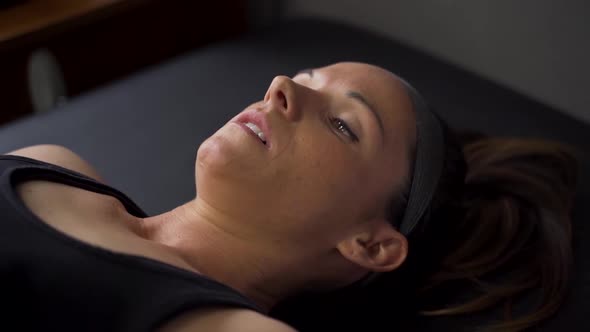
510	230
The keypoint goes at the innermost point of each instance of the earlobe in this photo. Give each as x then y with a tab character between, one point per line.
379	249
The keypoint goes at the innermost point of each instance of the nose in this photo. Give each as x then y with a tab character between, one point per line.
281	95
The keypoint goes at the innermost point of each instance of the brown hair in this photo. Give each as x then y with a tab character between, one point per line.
498	227
499	224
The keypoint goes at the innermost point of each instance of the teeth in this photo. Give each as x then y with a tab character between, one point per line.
256	131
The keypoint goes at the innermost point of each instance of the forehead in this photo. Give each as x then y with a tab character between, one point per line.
382	87
362	75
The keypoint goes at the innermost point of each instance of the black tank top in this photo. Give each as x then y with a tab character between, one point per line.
53	282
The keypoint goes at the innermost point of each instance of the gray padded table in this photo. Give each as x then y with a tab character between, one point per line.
142	133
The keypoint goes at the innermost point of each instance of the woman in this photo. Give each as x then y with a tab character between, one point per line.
340	178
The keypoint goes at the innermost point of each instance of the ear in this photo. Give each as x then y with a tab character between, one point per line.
380	248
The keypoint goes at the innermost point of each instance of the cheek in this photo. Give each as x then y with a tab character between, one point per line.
323	178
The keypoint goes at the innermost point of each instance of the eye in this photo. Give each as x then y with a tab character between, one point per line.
343	127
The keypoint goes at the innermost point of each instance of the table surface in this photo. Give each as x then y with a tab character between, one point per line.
37	15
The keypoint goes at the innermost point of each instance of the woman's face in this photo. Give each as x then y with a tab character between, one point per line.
321	153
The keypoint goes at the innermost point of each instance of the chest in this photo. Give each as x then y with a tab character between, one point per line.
90	219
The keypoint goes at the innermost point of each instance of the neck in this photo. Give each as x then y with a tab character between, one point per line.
195	232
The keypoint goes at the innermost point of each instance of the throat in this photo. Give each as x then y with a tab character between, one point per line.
219	254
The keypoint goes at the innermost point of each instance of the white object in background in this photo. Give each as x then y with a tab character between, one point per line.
47	87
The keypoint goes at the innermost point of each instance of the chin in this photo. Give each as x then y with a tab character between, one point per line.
215	159
226	153
226	185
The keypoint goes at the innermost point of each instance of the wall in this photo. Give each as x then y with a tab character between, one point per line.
540	48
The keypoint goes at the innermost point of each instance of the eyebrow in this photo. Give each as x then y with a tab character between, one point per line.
358	97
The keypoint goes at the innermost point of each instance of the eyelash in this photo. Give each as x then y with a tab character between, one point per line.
343	127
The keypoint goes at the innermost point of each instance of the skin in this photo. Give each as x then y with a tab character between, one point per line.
315	196
308	210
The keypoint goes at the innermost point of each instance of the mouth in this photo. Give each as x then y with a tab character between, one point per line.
255	123
257	131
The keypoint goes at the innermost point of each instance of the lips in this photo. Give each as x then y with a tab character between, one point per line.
256	124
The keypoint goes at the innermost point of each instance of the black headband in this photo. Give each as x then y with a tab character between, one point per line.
428	162
428	166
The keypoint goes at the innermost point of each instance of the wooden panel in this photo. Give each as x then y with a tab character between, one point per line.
41	16
107	40
123	44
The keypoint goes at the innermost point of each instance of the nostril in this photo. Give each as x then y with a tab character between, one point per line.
282	97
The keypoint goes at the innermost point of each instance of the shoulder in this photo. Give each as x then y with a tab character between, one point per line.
225	320
58	155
